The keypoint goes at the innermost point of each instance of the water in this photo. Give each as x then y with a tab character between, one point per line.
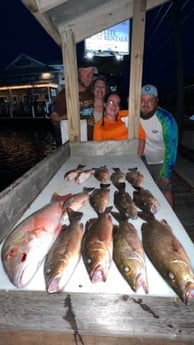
23	143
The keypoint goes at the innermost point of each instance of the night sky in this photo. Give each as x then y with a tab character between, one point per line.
21	33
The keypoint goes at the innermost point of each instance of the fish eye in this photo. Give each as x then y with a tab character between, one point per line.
126	269
48	270
171	275
89	260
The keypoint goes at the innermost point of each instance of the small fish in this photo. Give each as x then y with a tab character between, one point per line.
128	253
97	246
134	177
102	174
144	199
168	256
117	176
100	197
73	173
64	255
26	246
124	202
76	201
84	175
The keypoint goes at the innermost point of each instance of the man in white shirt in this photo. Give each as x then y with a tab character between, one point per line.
161	140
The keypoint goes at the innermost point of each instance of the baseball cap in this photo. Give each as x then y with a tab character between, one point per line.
87	63
149	90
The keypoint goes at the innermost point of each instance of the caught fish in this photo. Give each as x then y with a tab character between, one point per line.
26	246
97	246
144	199
73	173
124	202
134	177
102	174
168	256
64	255
100	197
128	253
84	175
76	201
117	176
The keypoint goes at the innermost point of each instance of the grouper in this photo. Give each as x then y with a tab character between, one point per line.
64	255
97	246
128	253
168	256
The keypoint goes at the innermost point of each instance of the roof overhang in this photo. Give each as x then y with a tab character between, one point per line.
84	18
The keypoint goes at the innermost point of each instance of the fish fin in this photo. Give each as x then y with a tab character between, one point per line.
57	197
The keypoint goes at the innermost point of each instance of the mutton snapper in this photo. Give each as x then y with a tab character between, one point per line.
75	201
84	175
124	202
97	246
26	246
100	197
73	173
64	255
128	253
168	256
144	199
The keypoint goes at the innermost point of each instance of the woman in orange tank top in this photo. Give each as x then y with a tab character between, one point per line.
111	126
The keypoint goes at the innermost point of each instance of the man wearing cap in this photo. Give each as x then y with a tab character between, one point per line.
86	72
160	140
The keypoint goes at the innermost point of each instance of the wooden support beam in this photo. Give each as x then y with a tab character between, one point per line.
136	67
71	84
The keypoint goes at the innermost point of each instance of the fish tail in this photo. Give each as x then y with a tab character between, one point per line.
119	216
88	189
145	215
104	185
81	166
137	188
106	211
121	186
74	214
133	169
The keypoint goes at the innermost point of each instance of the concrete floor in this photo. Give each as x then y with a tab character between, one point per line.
185	169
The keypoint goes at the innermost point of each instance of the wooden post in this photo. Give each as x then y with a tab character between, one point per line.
71	84
136	66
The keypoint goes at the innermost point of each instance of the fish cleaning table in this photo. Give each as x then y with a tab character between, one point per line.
108	307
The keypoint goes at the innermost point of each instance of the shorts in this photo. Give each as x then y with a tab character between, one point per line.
154	170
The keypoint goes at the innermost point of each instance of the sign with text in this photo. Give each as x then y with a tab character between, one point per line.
115	39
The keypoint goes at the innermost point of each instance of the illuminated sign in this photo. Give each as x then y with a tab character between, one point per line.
112	40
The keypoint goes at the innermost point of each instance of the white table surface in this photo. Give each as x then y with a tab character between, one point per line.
115	283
